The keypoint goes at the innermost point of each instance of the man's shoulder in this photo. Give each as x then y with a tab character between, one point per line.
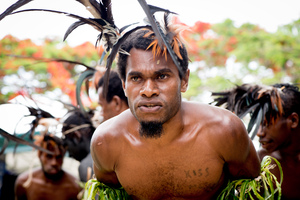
24	176
208	112
201	106
114	125
219	123
68	177
109	134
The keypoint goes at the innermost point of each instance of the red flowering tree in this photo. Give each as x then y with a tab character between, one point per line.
213	44
47	75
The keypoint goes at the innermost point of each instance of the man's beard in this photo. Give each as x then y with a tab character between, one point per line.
56	176
151	129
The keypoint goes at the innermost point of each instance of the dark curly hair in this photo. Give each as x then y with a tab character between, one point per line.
74	119
290	97
114	87
141	40
50	142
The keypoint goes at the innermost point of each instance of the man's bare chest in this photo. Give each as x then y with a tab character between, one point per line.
41	190
184	173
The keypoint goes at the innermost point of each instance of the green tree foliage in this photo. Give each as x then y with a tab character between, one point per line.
19	58
235	55
221	55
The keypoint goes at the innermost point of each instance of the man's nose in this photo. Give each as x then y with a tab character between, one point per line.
149	88
54	162
260	133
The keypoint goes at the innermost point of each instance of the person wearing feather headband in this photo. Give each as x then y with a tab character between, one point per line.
281	138
78	129
163	147
49	181
274	112
115	100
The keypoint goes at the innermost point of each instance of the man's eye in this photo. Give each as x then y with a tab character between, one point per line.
265	123
162	76
135	78
49	156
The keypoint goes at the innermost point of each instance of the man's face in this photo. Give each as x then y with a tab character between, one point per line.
274	136
108	109
153	87
51	164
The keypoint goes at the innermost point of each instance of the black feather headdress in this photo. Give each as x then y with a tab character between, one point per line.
110	35
166	39
263	103
8	137
103	20
39	116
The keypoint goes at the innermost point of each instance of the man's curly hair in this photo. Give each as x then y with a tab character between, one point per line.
143	39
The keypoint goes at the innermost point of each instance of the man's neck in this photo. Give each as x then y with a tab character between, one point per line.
172	130
292	149
54	177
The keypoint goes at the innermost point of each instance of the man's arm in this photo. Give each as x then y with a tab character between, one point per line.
239	153
20	191
104	155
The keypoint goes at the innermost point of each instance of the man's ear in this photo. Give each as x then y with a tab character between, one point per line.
294	120
185	81
117	102
124	87
39	153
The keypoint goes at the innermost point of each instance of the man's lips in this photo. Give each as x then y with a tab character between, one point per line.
264	142
149	106
53	171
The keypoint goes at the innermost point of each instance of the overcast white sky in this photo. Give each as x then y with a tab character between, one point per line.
268	14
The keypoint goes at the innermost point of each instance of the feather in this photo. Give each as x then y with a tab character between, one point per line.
109	34
103	25
263	103
84	76
38	114
113	54
255	120
41	59
13	7
161	37
5	145
105	10
20	141
72	28
90	7
248	110
93	22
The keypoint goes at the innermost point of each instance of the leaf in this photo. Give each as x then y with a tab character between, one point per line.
246	186
104	192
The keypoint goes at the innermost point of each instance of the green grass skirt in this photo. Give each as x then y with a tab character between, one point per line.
261	187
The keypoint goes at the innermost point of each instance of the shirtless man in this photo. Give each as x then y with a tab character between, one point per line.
49	181
78	130
78	141
281	141
115	101
163	147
